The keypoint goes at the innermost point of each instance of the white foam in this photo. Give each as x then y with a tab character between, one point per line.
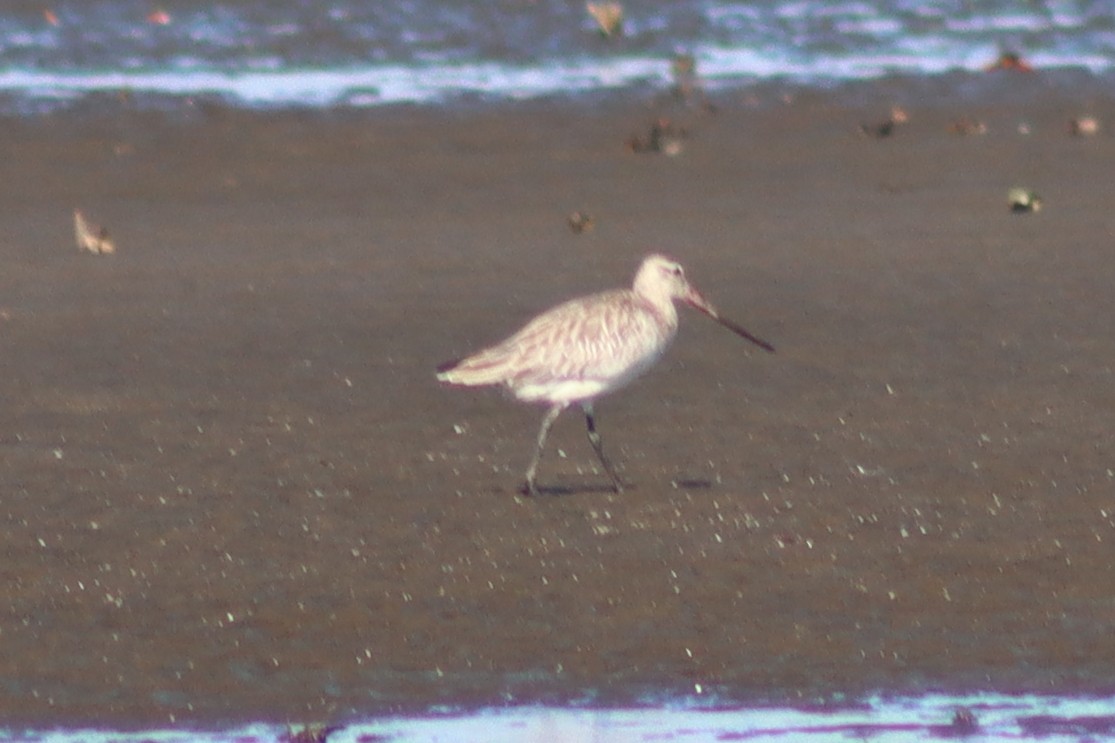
393	51
265	82
390	83
882	720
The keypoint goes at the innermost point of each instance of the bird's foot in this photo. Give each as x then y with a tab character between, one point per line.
617	484
528	489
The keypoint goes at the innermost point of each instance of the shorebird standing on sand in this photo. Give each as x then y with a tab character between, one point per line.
587	347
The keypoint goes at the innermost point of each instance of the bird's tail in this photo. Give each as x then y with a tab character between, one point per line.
481	369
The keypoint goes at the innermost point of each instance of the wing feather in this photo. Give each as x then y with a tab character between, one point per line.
577	350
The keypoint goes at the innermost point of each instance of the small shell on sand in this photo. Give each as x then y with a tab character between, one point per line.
91	237
608	17
1023	200
580	222
1084	126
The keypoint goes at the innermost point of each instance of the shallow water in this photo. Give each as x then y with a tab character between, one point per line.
347	52
985	717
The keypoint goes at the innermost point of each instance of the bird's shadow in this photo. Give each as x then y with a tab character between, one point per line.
692	483
564	490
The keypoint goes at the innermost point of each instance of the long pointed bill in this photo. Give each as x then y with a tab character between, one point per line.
695	300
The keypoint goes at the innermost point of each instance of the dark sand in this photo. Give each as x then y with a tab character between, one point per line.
231	488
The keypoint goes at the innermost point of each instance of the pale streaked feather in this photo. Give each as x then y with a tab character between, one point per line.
587	347
575	351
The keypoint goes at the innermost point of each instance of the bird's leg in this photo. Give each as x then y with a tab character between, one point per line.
598	446
547	423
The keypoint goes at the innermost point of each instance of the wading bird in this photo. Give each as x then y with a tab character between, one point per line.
587	347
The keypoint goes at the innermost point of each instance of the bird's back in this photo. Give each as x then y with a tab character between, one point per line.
574	352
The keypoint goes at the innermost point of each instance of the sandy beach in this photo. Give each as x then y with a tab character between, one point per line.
231	488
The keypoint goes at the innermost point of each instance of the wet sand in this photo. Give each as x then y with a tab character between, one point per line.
232	489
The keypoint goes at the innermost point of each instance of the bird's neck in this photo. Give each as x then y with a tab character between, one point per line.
661	305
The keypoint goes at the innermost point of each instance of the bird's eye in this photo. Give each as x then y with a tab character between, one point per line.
677	271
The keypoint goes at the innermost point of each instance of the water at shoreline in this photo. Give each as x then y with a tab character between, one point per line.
346	53
985	717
